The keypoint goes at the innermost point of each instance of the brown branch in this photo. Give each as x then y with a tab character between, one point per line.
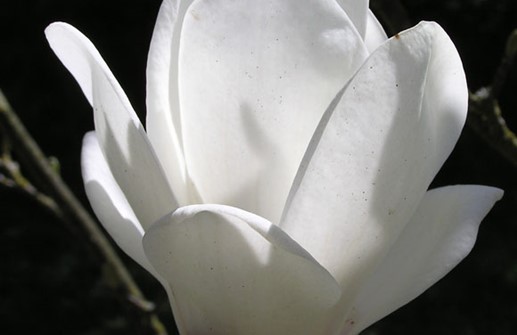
485	115
70	206
486	119
12	178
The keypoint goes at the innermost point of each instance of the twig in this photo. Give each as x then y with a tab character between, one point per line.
71	208
486	119
485	115
11	177
505	66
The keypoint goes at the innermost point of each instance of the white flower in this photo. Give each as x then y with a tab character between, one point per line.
280	186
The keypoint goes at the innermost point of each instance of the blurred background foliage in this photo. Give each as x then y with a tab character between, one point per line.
52	283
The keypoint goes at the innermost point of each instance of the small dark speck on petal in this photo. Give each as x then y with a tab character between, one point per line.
397	36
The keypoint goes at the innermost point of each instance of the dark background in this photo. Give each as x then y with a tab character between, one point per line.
52	283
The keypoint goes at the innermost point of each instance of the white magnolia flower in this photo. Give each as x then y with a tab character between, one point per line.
280	186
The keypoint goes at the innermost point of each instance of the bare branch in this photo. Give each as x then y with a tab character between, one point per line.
69	205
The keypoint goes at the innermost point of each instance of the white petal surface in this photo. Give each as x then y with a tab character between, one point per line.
163	126
440	234
357	12
109	203
255	78
232	272
375	154
122	138
375	34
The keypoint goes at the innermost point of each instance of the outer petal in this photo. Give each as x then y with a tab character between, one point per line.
232	272
112	208
123	141
375	34
109	202
440	234
255	78
357	12
163	126
376	151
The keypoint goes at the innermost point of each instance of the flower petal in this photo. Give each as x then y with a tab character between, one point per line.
109	202
163	126
440	234
375	34
112	208
232	272
376	151
122	138
255	79
357	12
